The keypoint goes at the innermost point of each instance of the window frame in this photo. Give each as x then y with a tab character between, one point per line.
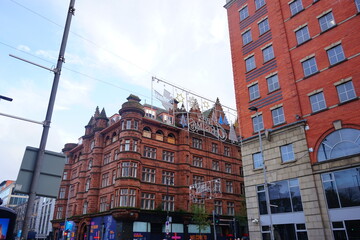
278	116
309	67
302	35
246	37
259	4
296	6
256	121
250	63
274	85
256	158
264	26
243	13
254	92
316	103
336	55
268	53
325	21
287	153
345	91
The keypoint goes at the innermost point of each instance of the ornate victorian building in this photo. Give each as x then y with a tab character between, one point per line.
131	173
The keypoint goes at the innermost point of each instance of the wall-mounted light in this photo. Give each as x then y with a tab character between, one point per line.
307	127
311	149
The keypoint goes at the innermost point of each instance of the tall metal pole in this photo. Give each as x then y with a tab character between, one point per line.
215	235
265	182
46	126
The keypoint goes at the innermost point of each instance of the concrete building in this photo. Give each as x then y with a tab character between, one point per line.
295	64
9	198
40	224
131	173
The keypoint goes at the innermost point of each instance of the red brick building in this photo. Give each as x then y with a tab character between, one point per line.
297	63
134	169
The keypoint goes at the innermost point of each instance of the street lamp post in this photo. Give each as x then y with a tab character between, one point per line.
268	207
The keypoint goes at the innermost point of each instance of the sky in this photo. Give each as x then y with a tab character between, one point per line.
114	49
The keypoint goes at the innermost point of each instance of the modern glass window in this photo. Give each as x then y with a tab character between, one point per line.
257	160
346	229
317	102
246	37
327	21
309	66
259	3
302	35
254	92
336	54
296	6
250	63
168	178
340	143
168	203
278	116
258	123
244	13
273	83
215	165
168	156
148	174
264	26
150	152
284	197
357	3
268	53
197	143
342	188
286	231
197	161
346	91
148	201
287	153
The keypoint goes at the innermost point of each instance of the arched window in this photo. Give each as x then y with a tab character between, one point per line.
147	132
159	135
85	208
171	138
87	185
90	164
340	143
114	137
107	140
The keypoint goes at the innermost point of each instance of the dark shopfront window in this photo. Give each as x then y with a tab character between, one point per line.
286	232
342	188
347	230
284	195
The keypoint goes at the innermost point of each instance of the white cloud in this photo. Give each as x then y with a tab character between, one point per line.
24	48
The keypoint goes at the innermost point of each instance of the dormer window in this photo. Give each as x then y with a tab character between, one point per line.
150	113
